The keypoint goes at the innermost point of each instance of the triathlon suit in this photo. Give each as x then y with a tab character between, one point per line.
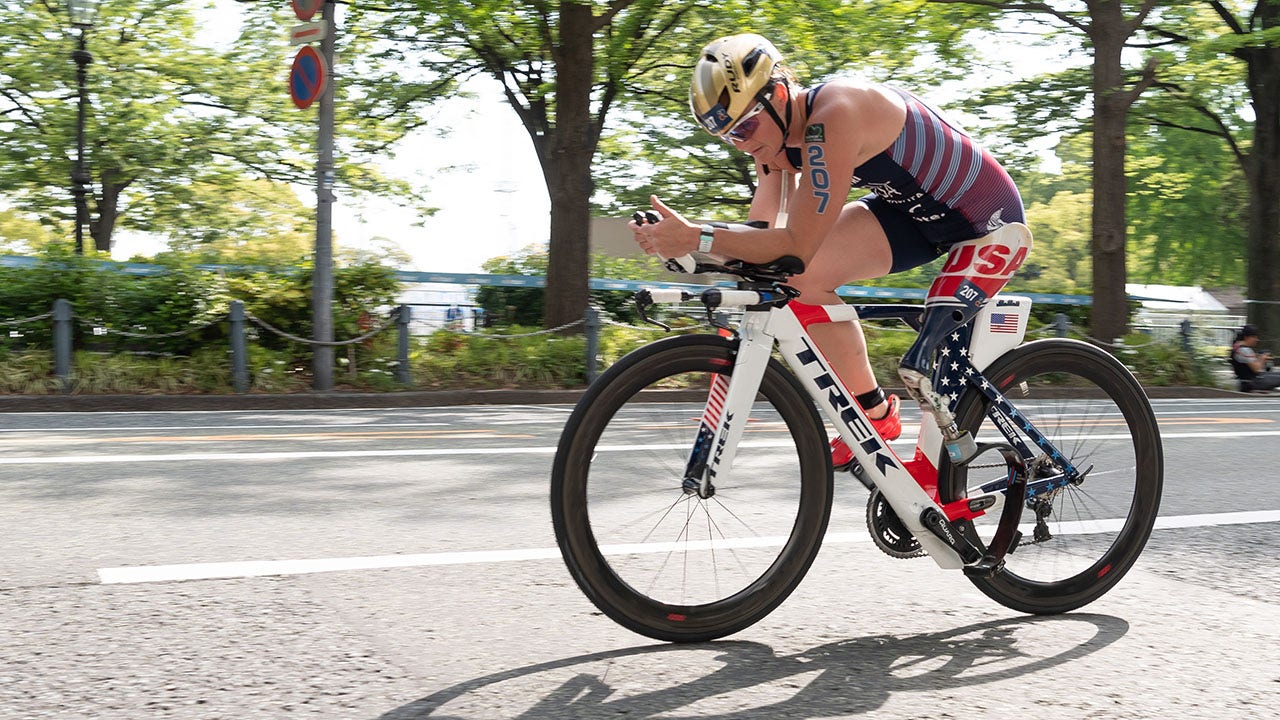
933	187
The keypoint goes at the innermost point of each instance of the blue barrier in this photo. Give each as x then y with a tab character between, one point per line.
537	281
857	291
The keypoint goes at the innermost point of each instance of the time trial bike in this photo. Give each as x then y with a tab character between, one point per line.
693	482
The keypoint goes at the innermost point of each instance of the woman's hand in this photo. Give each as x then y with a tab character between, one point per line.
670	237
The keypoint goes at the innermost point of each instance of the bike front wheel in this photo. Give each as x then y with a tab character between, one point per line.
1080	539
675	566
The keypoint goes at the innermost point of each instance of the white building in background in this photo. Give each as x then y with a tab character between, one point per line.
1165	307
1176	298
438	305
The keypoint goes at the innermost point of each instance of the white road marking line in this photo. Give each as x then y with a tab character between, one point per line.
173	428
263	456
546	450
260	568
1192	435
439	452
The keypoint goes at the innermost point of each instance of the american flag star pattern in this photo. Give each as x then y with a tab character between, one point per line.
951	367
952	370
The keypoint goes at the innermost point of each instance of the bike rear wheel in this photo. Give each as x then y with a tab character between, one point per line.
1095	413
674	566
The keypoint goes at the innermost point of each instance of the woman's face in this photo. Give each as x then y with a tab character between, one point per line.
758	134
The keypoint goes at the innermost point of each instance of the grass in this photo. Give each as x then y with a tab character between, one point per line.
451	360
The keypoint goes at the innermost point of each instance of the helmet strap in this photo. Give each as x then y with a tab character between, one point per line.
785	127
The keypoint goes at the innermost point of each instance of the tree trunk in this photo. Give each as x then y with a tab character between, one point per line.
567	167
103	229
1110	314
1263	253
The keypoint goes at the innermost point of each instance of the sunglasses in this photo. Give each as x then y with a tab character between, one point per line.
746	127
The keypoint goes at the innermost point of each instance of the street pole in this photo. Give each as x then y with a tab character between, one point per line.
322	280
79	175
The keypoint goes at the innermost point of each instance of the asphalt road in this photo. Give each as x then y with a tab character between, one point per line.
400	563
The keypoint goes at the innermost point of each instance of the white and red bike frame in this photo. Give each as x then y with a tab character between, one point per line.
965	291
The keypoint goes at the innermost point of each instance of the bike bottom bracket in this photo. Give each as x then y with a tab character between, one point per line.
888	530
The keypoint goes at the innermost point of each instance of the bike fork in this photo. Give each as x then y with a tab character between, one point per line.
728	408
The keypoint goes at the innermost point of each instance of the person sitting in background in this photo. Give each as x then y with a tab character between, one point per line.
1250	365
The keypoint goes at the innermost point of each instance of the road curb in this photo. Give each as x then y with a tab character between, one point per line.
346	400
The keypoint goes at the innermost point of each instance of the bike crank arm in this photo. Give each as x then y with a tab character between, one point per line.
976	562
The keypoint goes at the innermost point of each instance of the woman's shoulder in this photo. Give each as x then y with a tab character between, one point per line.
866	108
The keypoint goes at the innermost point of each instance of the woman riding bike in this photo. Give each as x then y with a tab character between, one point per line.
931	186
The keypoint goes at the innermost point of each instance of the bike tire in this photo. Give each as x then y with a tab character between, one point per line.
1096	530
616	485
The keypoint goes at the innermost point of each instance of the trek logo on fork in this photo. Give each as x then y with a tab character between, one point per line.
724	439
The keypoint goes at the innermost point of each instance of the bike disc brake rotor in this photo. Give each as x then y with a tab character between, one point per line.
888	531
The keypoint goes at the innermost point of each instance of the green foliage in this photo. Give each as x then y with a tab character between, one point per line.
1166	363
659	149
190	306
525	306
886	344
1060	260
180	299
515	305
27	372
448	360
196	143
275	371
23	233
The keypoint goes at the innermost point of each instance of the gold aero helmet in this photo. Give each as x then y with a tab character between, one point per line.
730	78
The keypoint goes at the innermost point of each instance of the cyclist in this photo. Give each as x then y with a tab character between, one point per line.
931	187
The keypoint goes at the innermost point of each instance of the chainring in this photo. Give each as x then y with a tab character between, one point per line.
888	531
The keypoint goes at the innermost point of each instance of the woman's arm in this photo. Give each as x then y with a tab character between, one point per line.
853	124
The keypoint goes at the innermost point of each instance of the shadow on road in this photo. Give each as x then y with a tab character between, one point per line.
740	680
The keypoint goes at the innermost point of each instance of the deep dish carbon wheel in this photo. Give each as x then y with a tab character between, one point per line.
670	565
1079	540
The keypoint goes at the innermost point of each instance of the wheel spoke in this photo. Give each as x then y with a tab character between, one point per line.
690	568
1090	409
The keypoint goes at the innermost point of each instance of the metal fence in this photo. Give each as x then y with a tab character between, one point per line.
65	320
1201	329
1201	334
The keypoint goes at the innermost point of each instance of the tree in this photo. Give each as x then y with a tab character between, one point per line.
1251	39
172	126
259	222
565	66
1109	26
656	147
1187	205
562	66
22	234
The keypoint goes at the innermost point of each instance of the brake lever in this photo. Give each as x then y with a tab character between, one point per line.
643	301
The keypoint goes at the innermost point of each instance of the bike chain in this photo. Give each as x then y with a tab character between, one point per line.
891	535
